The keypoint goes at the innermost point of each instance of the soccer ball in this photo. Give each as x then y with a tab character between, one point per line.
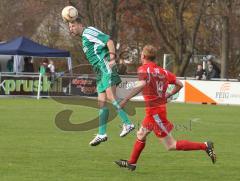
69	14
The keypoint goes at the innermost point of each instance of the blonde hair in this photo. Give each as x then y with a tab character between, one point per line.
149	52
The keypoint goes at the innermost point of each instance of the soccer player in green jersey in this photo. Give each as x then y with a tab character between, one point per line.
100	52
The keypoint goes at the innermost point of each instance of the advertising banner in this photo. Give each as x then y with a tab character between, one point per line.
13	85
84	86
194	91
212	92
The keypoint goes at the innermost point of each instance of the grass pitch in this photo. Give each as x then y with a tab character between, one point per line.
32	148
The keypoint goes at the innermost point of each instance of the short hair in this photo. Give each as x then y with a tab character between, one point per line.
45	60
77	20
149	52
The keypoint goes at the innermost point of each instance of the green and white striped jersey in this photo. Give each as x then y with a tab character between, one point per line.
94	44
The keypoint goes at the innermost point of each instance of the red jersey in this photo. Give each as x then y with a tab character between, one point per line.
157	80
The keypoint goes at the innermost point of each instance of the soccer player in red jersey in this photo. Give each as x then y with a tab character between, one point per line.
153	83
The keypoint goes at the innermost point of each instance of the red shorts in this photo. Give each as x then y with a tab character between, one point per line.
158	123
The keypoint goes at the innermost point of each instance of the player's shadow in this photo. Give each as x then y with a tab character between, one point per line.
63	122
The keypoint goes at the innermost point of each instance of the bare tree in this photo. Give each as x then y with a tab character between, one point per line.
223	15
102	14
178	32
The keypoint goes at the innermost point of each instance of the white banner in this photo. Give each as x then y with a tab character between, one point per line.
124	88
219	92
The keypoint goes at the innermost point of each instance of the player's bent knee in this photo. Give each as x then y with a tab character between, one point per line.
101	104
110	97
141	135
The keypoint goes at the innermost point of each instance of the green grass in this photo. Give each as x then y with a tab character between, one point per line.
32	148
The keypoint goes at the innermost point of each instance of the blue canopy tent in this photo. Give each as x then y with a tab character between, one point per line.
22	46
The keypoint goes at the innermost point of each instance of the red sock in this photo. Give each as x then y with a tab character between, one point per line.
187	145
137	149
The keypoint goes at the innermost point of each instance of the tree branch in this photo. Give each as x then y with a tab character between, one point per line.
194	35
157	26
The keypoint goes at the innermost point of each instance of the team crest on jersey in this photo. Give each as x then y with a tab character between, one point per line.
85	49
158	74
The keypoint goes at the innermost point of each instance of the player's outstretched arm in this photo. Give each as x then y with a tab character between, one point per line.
136	90
178	85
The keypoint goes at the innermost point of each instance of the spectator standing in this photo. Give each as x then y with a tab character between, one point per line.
51	67
200	73
45	65
28	65
10	65
215	67
211	73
